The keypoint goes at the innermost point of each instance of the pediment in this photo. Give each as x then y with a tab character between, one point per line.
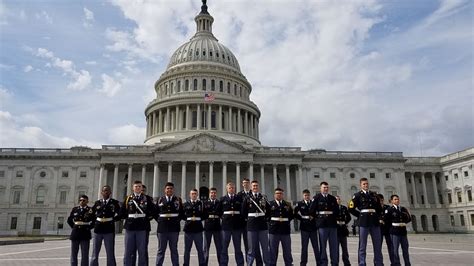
203	143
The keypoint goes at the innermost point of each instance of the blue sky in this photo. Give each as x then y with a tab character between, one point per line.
361	75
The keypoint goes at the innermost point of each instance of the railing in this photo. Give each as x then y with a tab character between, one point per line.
456	155
279	149
422	160
357	153
43	150
125	147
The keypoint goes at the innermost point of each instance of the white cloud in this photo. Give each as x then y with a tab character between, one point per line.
127	134
110	86
27	68
88	18
43	15
92	63
81	78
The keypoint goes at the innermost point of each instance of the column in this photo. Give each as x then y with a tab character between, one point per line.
262	177
167	120
209	110
183	180
170	171
251	171
423	183
129	179
413	187
101	180
177	118
160	121
211	174
300	180
257	130
288	185
115	187
172	121
224	178
239	122
251	125
435	189
230	128
220	118
275	178
197	175
187	117
237	176
198	117
144	176
246	127
156	178
153	131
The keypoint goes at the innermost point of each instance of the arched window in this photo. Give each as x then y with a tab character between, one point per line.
203	84
179	86
228	87
40	195
197	52
235	89
195	84
221	86
213	85
186	85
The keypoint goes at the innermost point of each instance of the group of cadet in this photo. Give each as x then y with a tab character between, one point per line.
262	223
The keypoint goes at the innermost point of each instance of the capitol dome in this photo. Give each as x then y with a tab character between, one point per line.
202	90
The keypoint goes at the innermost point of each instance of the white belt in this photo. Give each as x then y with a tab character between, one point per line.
278	219
168	215
103	220
256	214
231	212
305	217
367	210
137	215
193	219
325	212
82	223
211	216
341	222
399	224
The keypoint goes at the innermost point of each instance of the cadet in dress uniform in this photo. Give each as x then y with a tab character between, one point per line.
398	217
385	229
308	228
194	214
343	219
169	214
281	214
212	225
80	221
256	209
107	212
232	223
324	207
367	208
137	210
244	194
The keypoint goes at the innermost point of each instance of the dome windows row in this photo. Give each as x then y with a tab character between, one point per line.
218	54
185	85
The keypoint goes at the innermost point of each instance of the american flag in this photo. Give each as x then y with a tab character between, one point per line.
209	97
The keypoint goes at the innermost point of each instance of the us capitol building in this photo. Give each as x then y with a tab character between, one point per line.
203	131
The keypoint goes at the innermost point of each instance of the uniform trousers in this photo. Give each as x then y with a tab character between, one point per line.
217	243
189	239
163	240
345	251
256	238
109	243
84	244
236	241
306	236
328	234
396	242
135	241
375	234
285	240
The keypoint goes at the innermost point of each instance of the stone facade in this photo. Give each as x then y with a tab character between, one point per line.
203	130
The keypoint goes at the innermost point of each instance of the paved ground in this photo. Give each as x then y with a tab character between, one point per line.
442	249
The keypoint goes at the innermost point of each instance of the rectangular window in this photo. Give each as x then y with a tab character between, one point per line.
316	175
441	200
450	198
13	223
83	174
411	199
40	194
60	222
19	173
388	175
62	197
459	195
422	199
332	175
2	174
37	223
472	219
461	218
16	197
469	195
456	176
65	174
372	175
334	192
446	177
352	175
466	174
453	223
